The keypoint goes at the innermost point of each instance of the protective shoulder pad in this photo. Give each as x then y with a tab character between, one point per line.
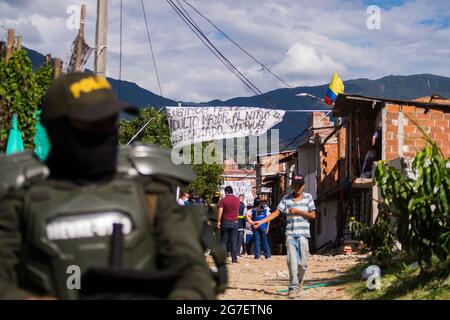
20	169
152	160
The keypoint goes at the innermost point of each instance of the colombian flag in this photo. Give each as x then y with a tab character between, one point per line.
336	87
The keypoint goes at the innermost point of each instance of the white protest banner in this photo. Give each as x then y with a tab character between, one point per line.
244	187
190	125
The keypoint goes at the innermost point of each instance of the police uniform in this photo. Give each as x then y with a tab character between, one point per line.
54	222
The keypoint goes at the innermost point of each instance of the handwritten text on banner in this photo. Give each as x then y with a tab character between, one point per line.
189	125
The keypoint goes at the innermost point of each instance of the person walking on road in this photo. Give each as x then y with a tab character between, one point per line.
299	208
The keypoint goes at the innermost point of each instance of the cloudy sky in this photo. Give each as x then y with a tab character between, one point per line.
302	41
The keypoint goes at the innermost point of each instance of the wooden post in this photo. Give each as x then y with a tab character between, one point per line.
57	68
19	43
80	39
2	49
101	38
10	45
48	59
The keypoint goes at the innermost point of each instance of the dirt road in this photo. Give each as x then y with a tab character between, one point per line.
269	279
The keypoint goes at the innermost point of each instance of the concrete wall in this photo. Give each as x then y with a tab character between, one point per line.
307	168
326	227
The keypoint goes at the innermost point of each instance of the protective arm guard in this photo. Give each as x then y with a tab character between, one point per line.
175	227
20	169
152	161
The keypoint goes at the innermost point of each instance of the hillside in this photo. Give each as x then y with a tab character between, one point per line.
395	87
129	91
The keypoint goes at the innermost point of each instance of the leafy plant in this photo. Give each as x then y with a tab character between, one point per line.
156	131
21	92
380	238
419	203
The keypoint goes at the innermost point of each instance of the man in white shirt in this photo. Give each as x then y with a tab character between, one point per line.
299	208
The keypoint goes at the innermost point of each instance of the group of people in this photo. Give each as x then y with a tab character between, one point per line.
88	180
185	199
235	223
298	208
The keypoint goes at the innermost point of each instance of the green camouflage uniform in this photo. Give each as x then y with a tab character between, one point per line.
34	257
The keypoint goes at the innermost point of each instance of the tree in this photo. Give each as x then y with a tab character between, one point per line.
157	130
209	176
21	92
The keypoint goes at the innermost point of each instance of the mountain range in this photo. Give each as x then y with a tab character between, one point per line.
393	86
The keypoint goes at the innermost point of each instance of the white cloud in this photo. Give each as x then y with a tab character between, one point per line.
304	61
304	41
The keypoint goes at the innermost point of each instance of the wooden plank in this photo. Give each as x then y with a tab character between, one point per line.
57	68
10	44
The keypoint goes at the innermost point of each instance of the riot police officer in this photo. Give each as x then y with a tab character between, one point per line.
57	217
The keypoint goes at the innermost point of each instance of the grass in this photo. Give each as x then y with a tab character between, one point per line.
401	280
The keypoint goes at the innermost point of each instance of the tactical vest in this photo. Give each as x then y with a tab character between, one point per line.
67	228
71	227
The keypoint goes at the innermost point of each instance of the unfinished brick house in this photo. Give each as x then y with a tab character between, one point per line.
339	154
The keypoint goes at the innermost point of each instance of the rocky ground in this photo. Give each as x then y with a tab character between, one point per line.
252	279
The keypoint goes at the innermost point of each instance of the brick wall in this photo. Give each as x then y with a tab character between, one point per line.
436	123
319	120
329	157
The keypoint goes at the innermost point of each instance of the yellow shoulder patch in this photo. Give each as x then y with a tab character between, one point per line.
89	84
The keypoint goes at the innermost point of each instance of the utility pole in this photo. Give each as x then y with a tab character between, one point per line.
19	43
80	39
101	37
10	45
57	68
48	59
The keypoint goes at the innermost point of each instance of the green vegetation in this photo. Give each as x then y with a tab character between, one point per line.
413	225
209	176
402	280
21	92
157	130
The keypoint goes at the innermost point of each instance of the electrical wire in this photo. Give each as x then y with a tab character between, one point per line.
238	45
243	50
189	21
151	48
184	15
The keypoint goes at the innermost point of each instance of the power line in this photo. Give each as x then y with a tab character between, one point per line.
151	48
238	45
200	34
189	21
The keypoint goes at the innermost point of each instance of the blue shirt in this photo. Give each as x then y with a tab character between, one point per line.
256	216
296	225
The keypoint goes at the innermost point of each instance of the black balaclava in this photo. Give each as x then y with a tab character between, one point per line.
81	157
